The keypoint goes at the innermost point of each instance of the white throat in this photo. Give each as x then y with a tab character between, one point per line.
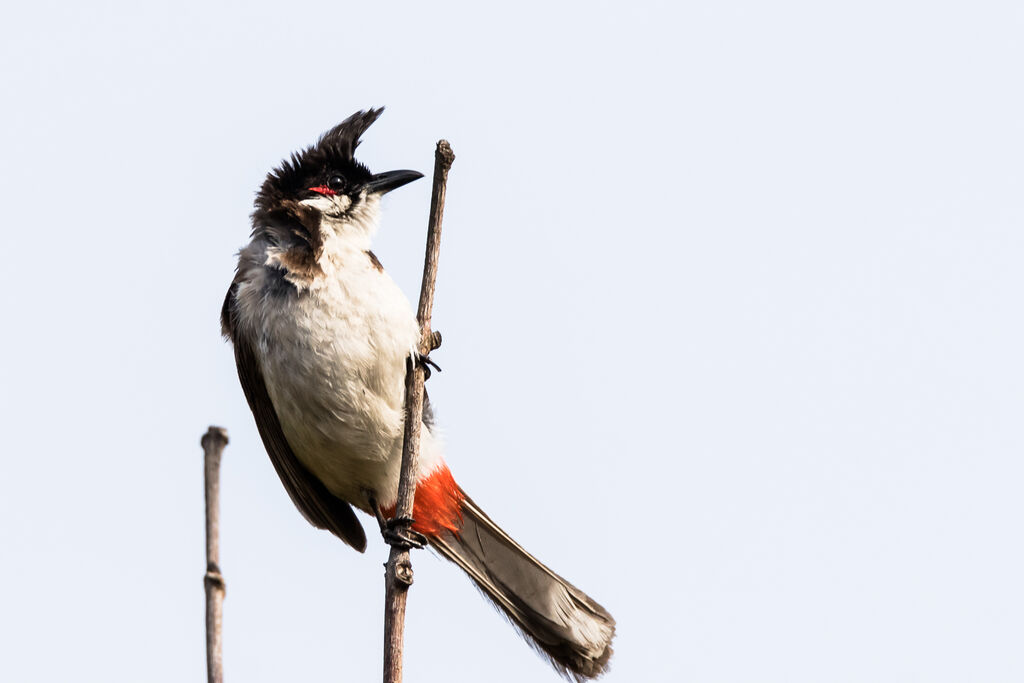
346	226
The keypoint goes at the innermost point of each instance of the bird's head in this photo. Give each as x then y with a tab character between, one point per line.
325	184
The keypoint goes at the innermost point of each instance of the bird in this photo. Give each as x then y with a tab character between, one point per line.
322	337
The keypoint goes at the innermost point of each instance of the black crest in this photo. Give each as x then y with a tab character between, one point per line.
333	153
344	138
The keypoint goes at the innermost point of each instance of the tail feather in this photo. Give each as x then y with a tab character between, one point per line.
560	620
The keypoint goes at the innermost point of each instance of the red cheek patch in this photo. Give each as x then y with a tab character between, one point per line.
324	190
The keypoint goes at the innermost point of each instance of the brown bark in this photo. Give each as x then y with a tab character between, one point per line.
213	442
398	575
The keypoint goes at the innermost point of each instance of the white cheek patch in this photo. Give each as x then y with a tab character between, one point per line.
332	206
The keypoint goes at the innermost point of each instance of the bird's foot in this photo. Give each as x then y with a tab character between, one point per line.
398	533
423	359
425	363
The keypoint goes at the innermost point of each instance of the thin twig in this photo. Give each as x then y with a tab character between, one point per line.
213	442
398	575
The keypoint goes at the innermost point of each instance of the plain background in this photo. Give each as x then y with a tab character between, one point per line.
731	299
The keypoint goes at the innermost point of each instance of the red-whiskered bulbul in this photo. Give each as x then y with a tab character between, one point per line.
322	336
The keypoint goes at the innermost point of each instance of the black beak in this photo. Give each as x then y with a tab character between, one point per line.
382	183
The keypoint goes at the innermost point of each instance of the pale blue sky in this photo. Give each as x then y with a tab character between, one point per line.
731	298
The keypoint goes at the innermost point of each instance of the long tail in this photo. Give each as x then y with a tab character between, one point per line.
559	619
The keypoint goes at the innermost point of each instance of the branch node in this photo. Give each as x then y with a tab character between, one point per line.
215	580
403	572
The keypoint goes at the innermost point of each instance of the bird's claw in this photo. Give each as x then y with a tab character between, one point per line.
423	359
425	363
398	533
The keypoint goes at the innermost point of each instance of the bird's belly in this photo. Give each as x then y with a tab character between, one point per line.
335	370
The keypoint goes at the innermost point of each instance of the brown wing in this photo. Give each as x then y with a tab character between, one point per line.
319	506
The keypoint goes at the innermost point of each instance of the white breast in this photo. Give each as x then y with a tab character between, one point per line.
333	358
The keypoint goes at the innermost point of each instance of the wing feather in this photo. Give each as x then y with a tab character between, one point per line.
319	506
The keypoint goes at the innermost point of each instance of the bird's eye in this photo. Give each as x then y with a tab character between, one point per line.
336	182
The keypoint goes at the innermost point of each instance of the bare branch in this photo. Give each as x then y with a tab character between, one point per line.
213	442
398	575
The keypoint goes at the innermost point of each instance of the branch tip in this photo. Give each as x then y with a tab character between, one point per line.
215	437
444	155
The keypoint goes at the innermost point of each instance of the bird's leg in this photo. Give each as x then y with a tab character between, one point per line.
424	359
397	531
